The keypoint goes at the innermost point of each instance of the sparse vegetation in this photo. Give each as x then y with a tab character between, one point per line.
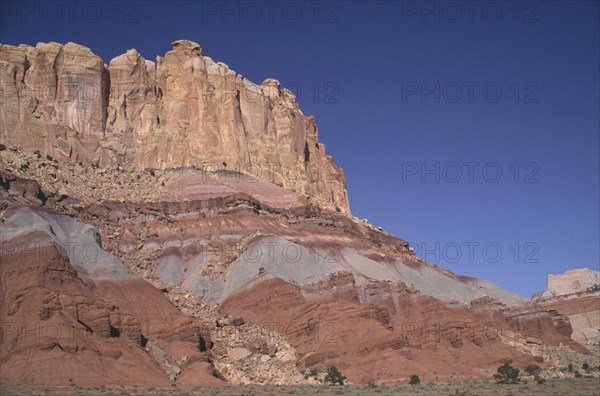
507	374
540	380
334	376
414	380
533	369
555	386
461	392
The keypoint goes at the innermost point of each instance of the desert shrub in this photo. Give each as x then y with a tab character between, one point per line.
2	147
507	374
540	380
578	374
414	380
586	367
533	369
570	368
334	376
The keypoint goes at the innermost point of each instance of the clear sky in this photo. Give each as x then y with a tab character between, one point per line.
470	129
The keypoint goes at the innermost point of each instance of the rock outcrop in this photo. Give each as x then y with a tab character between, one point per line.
576	295
188	227
73	313
571	283
300	288
185	110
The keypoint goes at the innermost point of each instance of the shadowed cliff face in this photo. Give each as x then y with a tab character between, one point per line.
183	110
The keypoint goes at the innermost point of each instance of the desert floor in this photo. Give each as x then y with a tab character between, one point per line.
555	386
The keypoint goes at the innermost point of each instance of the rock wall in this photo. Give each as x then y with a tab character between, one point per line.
576	295
184	110
571	282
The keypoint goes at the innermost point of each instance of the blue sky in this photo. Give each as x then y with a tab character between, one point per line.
471	131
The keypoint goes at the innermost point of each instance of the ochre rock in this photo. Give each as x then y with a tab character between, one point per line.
574	281
184	110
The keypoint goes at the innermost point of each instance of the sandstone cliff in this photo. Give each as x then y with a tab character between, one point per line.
185	110
212	272
571	283
576	295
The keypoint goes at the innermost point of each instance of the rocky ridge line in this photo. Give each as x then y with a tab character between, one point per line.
184	110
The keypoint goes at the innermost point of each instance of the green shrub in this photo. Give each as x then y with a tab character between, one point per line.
414	380
334	376
533	369
507	374
540	380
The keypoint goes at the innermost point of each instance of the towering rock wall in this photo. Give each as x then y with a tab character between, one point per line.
183	110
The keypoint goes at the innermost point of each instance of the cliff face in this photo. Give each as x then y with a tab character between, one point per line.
576	295
184	110
214	273
571	283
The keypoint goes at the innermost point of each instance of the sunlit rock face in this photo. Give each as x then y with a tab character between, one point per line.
182	110
576	295
571	282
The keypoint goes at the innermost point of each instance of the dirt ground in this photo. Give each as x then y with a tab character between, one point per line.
555	386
